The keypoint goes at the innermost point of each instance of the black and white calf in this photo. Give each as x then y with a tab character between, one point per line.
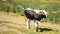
35	15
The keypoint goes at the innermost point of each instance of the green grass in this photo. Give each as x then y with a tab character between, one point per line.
22	29
32	31
8	32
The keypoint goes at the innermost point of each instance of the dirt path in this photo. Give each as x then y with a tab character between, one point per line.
5	17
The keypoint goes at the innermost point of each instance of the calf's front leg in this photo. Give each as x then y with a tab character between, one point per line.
28	24
36	25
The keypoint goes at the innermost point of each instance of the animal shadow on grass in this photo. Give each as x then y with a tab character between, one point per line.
44	29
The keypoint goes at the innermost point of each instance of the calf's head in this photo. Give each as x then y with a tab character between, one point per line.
43	13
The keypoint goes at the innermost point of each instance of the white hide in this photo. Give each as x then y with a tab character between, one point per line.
37	11
28	9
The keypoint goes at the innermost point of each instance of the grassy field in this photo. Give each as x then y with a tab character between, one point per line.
13	26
